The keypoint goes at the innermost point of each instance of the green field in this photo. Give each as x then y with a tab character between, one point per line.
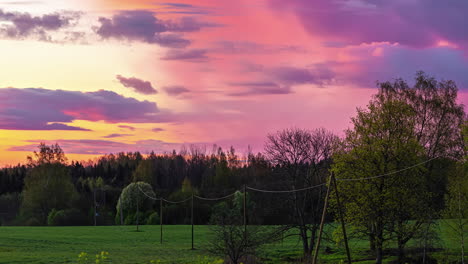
63	244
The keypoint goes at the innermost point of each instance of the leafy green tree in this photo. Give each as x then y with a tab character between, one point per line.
381	142
145	172
48	184
457	199
47	155
437	125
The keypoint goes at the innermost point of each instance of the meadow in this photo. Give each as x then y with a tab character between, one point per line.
125	245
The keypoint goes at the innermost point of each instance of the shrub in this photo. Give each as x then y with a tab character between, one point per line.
71	217
153	219
33	221
131	219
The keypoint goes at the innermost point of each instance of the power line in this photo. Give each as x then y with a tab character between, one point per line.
214	199
389	173
286	191
152	198
176	202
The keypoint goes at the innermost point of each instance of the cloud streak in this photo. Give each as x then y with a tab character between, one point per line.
175	90
192	55
101	147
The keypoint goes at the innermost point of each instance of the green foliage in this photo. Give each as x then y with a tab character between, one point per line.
153	219
136	194
383	141
10	204
207	260
132	218
101	258
144	172
69	217
47	155
51	221
47	186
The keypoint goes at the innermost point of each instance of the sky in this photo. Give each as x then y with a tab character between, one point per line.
105	76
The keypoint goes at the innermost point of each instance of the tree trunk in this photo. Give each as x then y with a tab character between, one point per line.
372	240
460	219
379	246
94	198
379	255
401	243
401	253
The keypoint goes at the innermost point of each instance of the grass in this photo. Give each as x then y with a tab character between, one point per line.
63	244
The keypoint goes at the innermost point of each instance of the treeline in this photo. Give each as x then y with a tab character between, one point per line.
399	168
28	193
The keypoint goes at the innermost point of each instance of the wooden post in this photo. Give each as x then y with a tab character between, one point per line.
192	222
121	214
95	209
138	212
245	211
161	218
325	205
340	211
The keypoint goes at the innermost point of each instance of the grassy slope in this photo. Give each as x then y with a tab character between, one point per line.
63	244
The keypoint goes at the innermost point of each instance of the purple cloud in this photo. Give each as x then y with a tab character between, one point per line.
139	86
248	47
144	26
157	129
23	25
397	61
259	88
194	55
188	24
127	127
319	75
180	8
175	90
418	23
42	109
116	135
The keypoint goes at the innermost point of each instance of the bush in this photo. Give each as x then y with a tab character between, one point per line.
71	217
51	221
32	222
153	219
131	219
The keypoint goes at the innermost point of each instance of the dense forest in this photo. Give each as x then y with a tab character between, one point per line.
401	166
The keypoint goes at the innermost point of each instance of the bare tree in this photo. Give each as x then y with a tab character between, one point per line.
304	157
231	239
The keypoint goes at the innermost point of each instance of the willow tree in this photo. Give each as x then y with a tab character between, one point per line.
135	198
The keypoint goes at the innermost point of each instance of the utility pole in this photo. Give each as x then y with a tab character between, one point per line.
317	246
95	205
245	211
138	211
192	222
340	211
121	214
161	218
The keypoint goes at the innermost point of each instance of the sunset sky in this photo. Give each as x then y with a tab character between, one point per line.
104	76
